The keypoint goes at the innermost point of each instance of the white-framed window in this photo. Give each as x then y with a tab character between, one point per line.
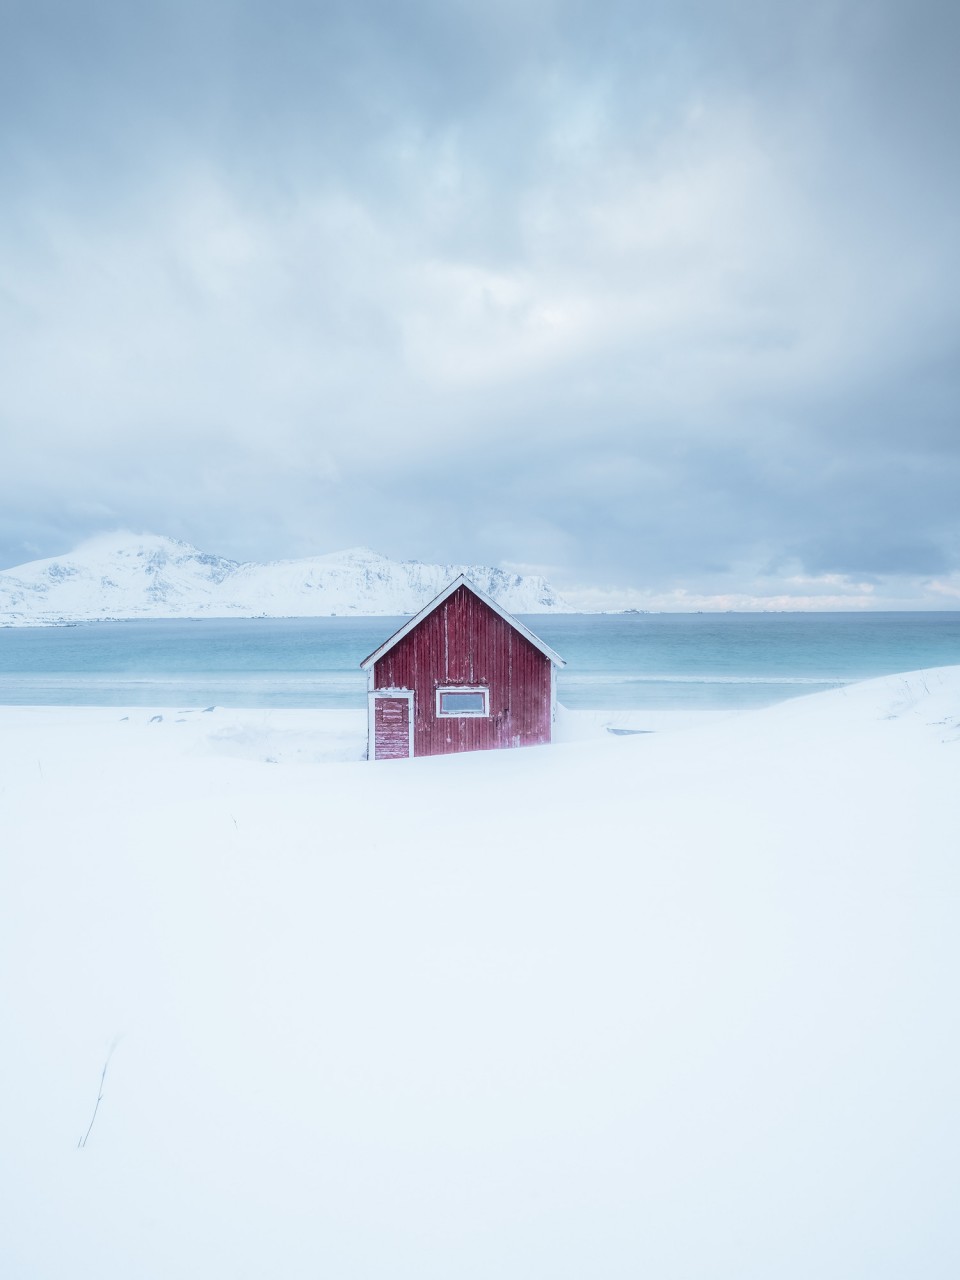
456	701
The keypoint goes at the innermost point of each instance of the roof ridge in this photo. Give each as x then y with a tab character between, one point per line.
460	581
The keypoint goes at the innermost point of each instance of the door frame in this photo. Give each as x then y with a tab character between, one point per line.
372	717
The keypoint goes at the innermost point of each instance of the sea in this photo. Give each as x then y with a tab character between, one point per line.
631	661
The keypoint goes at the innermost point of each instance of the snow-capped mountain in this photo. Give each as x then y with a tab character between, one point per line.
124	575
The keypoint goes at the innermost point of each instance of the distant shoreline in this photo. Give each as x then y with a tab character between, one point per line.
11	622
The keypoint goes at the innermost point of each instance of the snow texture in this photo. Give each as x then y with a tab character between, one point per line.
671	1004
128	576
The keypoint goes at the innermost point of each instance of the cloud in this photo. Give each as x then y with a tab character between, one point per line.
656	299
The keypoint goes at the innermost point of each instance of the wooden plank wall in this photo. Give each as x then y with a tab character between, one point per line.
465	642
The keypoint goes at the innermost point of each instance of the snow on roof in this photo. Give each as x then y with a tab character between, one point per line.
462	581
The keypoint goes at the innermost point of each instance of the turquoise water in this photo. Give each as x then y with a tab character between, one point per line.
732	660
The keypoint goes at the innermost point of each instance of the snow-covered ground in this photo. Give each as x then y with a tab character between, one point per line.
668	1004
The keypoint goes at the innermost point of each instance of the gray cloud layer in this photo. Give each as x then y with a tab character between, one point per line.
658	296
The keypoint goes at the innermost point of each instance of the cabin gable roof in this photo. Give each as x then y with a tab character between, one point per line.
462	581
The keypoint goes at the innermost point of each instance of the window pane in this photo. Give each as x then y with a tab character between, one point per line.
458	703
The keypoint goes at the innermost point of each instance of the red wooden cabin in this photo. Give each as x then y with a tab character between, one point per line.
461	675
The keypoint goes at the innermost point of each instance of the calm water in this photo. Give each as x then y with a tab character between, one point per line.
649	660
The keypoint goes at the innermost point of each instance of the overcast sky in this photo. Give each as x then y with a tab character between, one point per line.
658	296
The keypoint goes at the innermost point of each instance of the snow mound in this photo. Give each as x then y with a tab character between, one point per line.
519	1013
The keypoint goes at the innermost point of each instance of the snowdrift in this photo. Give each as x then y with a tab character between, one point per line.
670	1004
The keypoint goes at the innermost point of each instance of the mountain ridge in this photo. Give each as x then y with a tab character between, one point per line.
121	575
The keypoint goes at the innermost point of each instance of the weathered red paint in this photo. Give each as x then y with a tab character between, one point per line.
391	719
465	642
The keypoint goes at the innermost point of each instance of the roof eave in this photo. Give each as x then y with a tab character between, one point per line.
461	581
